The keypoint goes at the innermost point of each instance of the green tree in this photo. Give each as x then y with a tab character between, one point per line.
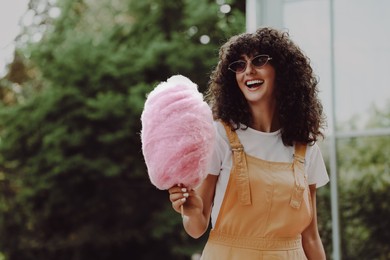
363	182
365	200
72	177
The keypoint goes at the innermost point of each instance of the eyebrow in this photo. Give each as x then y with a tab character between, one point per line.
242	57
250	56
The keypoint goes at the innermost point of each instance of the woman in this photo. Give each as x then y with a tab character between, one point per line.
260	192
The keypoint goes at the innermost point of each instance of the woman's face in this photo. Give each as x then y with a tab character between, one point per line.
257	80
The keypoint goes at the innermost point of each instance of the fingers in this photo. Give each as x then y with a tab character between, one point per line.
176	205
178	196
177	189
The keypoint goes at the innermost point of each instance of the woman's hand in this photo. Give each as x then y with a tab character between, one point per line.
194	205
185	201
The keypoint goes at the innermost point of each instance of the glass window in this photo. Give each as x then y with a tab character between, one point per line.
362	52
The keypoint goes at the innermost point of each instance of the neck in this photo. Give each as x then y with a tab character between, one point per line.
264	118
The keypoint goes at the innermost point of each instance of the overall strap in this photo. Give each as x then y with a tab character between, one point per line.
299	175
239	167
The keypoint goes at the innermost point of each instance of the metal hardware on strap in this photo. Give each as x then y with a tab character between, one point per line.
299	159
237	147
299	176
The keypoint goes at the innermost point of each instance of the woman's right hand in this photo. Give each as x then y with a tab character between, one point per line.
196	204
185	201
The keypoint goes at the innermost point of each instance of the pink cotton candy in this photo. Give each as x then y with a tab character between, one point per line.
177	134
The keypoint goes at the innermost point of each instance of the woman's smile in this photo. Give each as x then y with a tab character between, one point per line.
254	83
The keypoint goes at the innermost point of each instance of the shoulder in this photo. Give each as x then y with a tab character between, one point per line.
221	132
313	151
222	145
315	166
219	127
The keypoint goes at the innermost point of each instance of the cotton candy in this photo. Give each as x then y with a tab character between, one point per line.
177	134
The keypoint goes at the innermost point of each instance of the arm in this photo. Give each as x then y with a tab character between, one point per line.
311	241
196	205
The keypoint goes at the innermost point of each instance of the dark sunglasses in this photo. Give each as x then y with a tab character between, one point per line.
258	61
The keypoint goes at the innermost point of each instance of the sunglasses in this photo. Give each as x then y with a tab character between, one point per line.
257	61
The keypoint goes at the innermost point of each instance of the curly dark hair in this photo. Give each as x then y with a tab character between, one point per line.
300	111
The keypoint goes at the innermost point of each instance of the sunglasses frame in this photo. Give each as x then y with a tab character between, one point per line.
251	61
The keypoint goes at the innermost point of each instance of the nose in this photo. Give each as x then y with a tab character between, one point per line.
250	68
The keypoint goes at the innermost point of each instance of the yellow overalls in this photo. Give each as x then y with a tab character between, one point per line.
266	207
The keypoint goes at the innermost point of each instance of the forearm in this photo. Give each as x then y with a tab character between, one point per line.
195	222
314	249
194	205
311	240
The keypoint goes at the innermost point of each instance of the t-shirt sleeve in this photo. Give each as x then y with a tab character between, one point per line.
317	173
219	148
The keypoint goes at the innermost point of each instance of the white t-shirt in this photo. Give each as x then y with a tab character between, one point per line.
266	146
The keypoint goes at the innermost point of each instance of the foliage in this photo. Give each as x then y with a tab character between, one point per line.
73	183
365	181
364	200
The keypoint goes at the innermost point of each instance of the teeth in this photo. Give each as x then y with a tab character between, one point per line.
252	82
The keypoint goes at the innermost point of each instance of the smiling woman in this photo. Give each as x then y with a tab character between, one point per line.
260	191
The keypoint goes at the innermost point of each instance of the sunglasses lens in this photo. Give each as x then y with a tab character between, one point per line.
260	60
238	66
